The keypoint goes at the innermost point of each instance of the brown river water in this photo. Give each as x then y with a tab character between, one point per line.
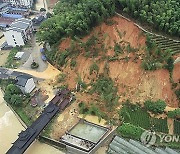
9	129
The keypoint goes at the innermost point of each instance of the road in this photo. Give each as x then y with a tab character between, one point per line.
34	56
41	4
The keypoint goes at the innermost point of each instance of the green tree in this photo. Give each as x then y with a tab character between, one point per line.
93	67
170	64
13	89
16	100
74	18
7	96
177	92
162	14
130	131
156	107
174	114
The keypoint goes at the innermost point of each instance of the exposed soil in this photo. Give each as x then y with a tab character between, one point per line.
51	3
50	73
132	81
65	121
170	123
3	56
47	89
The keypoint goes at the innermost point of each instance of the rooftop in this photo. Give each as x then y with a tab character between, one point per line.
3	5
22	80
120	145
24	20
88	131
4	20
84	135
19	25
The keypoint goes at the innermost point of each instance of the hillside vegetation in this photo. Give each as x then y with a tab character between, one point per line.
78	17
74	18
99	48
162	14
108	62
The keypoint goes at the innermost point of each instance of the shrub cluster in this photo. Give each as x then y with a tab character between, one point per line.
93	68
13	95
174	114
34	65
104	86
130	131
156	107
92	110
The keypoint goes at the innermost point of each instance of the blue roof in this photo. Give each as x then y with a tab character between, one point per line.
44	57
42	50
15	16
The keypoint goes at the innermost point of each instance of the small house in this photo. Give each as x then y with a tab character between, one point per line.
25	83
20	3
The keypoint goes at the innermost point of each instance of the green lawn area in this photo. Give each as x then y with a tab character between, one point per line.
23	116
26	112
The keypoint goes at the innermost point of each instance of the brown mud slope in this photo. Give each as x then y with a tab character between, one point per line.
132	81
51	3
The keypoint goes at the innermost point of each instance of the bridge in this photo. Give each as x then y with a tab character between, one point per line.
61	100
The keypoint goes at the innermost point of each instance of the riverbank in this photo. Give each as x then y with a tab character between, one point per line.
8	120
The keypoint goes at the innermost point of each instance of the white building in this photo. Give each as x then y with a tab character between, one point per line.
20	3
25	83
19	32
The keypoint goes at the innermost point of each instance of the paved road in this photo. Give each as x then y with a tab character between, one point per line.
34	56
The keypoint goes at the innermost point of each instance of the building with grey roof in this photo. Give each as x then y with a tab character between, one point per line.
25	83
4	7
122	146
20	3
19	32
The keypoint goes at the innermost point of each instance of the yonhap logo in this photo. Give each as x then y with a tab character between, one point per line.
169	138
148	138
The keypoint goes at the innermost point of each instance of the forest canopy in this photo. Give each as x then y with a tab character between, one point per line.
72	18
163	15
77	17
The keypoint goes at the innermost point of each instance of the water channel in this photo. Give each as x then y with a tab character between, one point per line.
9	129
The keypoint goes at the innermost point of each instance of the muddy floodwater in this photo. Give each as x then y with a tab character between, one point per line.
9	129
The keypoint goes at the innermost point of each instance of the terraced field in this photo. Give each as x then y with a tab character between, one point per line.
166	43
